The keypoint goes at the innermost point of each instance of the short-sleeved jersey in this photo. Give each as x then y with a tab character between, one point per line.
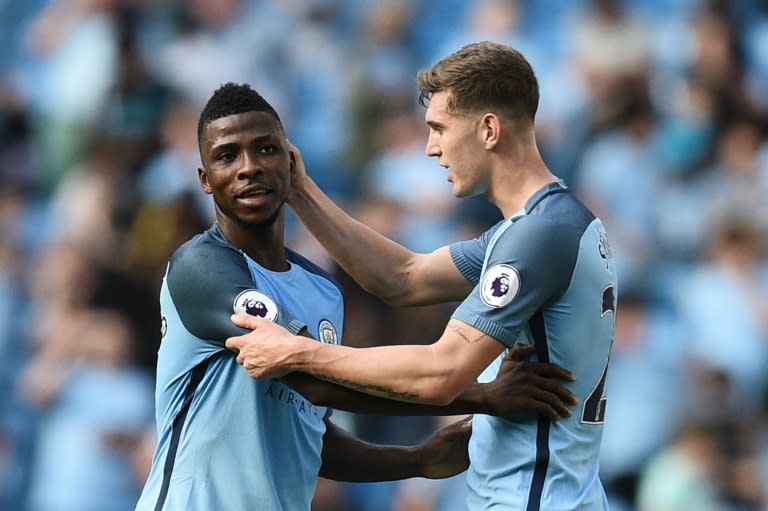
225	440
543	276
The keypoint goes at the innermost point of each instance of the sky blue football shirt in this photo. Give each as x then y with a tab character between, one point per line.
227	441
545	275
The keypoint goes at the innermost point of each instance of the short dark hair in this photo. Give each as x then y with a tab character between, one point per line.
483	75
230	99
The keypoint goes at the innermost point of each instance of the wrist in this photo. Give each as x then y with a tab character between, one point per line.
485	401
414	461
299	195
303	357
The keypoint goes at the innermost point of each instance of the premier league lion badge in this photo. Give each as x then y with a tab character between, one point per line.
255	303
500	285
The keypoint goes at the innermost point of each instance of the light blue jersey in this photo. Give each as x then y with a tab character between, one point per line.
545	276
227	441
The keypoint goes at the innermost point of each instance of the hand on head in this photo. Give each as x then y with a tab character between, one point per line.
298	170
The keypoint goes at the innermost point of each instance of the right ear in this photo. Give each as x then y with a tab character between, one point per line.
202	176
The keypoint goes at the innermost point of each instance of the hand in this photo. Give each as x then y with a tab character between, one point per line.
298	170
267	350
445	452
525	388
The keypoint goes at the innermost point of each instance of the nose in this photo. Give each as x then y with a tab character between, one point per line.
251	165
433	148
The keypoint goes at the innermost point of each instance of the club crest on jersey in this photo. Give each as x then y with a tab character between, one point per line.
604	247
326	332
255	303
500	285
163	327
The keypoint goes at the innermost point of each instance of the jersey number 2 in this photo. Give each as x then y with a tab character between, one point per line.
594	406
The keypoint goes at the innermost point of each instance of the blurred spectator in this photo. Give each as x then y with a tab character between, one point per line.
172	171
643	410
682	477
381	84
75	43
723	303
93	405
620	176
654	111
403	174
608	45
210	43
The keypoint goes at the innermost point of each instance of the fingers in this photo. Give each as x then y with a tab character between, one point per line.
556	389
521	352
555	393
297	159
233	343
554	371
553	403
547	410
246	320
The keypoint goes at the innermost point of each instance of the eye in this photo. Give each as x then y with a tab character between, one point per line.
226	157
268	149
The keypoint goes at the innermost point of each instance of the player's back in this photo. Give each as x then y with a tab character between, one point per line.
561	296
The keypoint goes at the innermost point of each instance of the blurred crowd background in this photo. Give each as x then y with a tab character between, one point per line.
653	111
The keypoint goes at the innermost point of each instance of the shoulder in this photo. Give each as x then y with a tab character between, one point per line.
557	220
549	235
561	209
202	259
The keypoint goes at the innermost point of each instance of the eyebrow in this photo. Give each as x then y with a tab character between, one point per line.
256	140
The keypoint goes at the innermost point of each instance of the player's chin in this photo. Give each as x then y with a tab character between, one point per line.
460	191
258	216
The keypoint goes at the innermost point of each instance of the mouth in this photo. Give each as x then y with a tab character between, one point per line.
449	176
253	195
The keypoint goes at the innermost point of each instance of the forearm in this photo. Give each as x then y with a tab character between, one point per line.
375	262
343	452
325	393
414	373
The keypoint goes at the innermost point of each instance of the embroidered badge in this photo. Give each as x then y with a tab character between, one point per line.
500	285
255	303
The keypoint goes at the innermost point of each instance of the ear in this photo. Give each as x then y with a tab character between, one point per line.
202	176
490	127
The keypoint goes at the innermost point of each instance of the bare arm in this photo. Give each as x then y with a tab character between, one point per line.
396	274
520	389
434	374
348	458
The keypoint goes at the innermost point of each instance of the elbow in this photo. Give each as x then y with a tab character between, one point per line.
401	296
442	391
395	294
395	288
399	300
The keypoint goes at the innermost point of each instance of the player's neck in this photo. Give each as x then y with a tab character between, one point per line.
265	243
517	182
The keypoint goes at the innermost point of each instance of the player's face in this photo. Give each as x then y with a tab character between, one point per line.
246	167
455	139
